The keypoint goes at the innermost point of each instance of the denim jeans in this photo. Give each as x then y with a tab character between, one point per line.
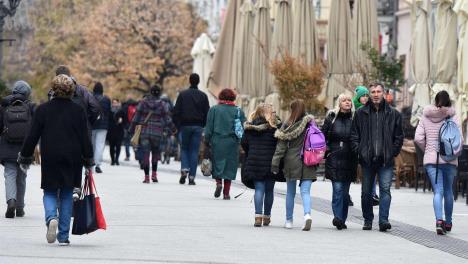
150	145
385	175
65	210
191	138
264	196
15	183
291	194
99	143
340	200
442	190
126	142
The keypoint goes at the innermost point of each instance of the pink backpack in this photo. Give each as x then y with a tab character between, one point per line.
313	150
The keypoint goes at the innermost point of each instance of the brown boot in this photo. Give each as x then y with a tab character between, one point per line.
258	220
147	179
266	220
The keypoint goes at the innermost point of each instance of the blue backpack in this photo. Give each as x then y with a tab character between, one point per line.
450	145
238	128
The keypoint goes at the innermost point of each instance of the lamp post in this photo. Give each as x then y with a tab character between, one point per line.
6	11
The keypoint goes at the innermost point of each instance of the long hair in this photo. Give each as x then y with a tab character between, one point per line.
264	111
337	108
297	111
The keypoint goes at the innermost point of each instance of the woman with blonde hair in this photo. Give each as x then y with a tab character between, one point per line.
259	145
341	162
290	143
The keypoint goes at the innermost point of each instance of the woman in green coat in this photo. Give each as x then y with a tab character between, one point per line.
290	143
222	139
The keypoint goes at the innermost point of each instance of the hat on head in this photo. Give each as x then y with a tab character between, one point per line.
23	88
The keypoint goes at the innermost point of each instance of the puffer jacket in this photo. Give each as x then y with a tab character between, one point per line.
290	144
427	132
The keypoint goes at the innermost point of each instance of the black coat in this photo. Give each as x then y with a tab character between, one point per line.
191	108
8	150
61	127
259	144
116	129
102	121
361	139
341	161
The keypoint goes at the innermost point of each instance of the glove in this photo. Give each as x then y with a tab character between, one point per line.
88	163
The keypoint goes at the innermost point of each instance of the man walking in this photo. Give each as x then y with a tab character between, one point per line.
377	137
190	114
101	125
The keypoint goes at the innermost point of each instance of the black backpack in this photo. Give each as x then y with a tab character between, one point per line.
17	121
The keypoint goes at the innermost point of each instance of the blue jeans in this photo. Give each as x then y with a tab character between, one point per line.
64	212
191	138
291	194
264	196
385	175
340	200
443	189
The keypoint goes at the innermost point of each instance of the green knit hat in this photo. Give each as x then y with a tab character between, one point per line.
361	91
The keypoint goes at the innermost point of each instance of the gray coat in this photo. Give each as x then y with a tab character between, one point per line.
290	143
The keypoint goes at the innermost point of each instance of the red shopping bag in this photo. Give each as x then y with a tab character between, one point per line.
100	219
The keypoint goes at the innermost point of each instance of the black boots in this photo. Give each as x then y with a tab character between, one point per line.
11	207
183	177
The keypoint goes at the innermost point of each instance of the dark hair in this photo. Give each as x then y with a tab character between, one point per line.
62	69
156	90
227	95
98	88
194	79
297	111
377	85
442	99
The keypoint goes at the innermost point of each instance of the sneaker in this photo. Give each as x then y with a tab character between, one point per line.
258	220
64	243
218	190
307	223
52	231
384	227
337	223
20	212
191	181
98	169
448	227
266	220
183	176
127	159
146	180
367	226
440	227
288	224
11	207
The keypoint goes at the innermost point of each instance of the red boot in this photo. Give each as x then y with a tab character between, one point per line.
154	176
146	179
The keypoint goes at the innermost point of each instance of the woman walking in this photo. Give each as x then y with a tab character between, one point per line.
341	162
61	126
443	174
259	145
290	143
116	131
221	136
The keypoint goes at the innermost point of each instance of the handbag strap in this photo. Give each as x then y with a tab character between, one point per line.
147	117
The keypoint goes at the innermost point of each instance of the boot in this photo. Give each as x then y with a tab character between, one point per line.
191	180
266	220
183	176
440	227
11	207
218	190
258	220
147	180
154	176
20	212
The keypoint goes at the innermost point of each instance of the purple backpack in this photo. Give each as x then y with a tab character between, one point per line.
313	150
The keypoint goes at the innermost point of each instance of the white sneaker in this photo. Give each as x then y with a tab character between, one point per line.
52	231
307	222
288	224
65	243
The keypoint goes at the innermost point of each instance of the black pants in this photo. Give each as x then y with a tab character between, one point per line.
115	146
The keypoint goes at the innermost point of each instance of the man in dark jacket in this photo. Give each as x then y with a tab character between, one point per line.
15	178
101	125
377	138
190	114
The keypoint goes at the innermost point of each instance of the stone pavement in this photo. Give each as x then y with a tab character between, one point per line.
170	223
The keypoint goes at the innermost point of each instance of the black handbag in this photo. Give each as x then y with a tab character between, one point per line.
85	221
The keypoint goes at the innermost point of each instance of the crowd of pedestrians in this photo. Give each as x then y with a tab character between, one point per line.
362	133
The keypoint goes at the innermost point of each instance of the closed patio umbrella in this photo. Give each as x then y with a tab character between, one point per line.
305	42
202	52
366	31
461	9
243	49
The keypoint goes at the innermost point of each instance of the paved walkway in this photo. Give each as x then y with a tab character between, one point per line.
170	223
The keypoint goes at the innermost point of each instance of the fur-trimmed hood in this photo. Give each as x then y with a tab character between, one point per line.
260	125
295	130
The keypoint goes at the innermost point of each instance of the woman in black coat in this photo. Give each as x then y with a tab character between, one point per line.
341	162
259	145
116	131
61	127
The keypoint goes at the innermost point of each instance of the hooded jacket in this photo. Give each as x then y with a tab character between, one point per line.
427	132
159	121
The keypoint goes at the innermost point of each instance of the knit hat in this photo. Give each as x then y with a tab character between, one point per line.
23	88
63	86
360	92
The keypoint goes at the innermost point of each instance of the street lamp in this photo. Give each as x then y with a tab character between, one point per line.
6	11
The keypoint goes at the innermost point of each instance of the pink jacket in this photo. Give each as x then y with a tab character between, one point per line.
427	133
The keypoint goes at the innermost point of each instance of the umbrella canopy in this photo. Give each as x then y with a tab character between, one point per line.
339	52
366	31
281	39
222	72
305	42
420	57
461	9
243	49
260	85
202	52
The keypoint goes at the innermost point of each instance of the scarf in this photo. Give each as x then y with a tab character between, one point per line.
227	102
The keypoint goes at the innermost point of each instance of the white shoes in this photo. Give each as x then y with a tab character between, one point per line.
307	223
52	231
288	224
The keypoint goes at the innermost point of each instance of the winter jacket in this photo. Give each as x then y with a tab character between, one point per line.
341	161
102	121
61	127
125	106
224	144
191	108
259	144
361	135
116	129
159	121
289	147
88	102
427	132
